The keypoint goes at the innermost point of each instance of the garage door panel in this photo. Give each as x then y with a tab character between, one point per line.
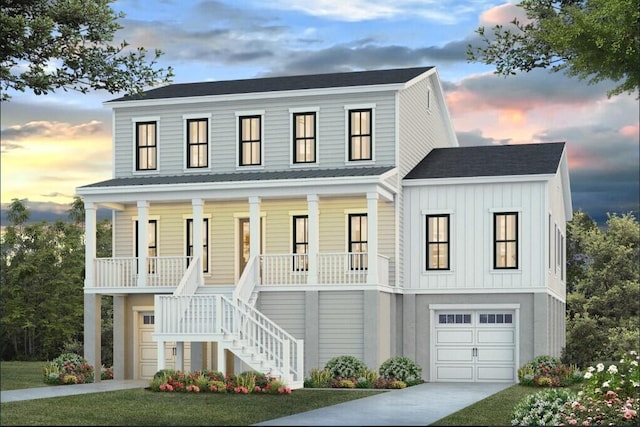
496	336
454	336
454	373
454	354
495	373
496	354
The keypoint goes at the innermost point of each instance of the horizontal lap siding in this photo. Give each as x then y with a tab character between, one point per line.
286	309
341	325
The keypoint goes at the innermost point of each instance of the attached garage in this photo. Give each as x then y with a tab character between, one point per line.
474	344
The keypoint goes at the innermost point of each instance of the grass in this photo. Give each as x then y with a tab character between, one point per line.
143	407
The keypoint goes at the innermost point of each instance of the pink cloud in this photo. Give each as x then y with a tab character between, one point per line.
631	130
502	15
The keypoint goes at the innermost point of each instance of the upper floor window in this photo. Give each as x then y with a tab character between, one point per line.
146	145
300	242
250	133
505	232
360	134
358	241
304	137
438	242
205	242
197	143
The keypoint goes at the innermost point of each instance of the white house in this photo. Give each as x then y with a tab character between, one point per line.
274	223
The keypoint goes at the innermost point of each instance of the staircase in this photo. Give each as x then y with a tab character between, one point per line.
231	321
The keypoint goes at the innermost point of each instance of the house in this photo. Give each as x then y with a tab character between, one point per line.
274	223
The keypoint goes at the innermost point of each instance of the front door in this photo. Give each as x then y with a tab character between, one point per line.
244	239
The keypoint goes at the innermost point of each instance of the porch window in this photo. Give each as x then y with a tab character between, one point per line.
300	243
304	137
438	242
197	143
205	243
146	146
250	141
360	134
505	247
152	238
358	241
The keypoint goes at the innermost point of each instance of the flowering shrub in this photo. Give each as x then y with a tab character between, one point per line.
547	371
604	411
169	380
344	366
106	373
401	368
68	368
542	408
339	382
622	378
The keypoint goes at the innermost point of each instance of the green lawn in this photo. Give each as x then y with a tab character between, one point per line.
143	407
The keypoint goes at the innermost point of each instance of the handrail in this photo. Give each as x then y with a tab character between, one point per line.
190	280
248	280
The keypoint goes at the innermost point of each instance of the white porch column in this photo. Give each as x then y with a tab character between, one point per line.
180	355
160	354
254	227
314	238
89	244
143	242
372	238
197	229
92	332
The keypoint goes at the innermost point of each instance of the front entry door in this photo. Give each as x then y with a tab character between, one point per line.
244	239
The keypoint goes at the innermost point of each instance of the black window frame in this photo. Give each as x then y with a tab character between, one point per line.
152	246
249	142
358	259
506	241
300	263
361	135
304	139
151	150
205	243
438	244
198	145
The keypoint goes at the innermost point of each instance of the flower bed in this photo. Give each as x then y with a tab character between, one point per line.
208	381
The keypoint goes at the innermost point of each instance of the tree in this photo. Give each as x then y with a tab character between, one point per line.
75	37
593	40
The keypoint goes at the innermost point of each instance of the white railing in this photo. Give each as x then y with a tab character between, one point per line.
287	269
123	272
191	280
342	268
247	283
186	314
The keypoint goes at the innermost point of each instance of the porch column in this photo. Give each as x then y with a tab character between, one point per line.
180	355
372	238
160	354
92	332
90	244
197	230
119	337
143	242
254	227
314	238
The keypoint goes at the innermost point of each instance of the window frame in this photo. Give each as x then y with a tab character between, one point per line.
358	262
349	135
205	243
151	246
296	139
137	124
438	243
295	244
241	117
188	119
506	241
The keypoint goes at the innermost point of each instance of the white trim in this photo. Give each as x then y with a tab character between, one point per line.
156	218
347	109
423	242
137	310
492	234
185	217
134	124
502	179
316	145
185	133
250	113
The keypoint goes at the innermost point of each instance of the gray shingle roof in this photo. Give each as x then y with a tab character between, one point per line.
274	84
489	160
241	176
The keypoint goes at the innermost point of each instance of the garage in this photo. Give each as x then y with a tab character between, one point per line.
474	345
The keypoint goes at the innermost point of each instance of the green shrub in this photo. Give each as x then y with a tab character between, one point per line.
342	383
344	366
397	384
319	378
401	368
542	408
68	368
545	371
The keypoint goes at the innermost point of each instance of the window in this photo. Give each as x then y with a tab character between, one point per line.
197	143
205	242
438	242
454	319
304	137
505	230
152	241
360	134
358	241
148	319
146	146
496	318
250	141
300	243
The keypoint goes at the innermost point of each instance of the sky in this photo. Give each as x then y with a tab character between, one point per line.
52	144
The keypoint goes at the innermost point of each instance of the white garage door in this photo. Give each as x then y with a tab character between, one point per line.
474	346
147	350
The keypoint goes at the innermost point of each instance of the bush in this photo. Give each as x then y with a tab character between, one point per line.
68	368
623	378
169	380
344	366
546	371
401	368
542	408
607	410
319	378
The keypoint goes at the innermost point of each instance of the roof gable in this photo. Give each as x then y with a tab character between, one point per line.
282	83
489	160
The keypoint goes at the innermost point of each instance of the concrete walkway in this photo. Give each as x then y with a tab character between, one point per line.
418	405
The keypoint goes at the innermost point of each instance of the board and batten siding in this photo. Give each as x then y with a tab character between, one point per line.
471	208
555	276
277	148
340	325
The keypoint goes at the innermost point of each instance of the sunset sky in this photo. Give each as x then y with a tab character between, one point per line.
52	144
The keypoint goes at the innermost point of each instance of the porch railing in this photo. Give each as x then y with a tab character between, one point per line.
123	272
